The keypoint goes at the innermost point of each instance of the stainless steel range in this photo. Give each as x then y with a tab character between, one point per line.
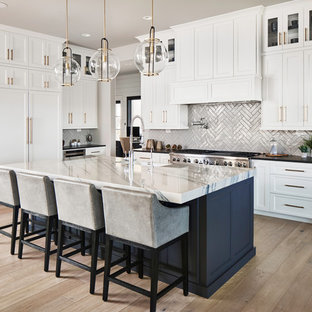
208	157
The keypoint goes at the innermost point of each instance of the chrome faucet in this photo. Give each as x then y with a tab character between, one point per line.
131	137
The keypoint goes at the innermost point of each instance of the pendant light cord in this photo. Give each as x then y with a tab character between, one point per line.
104	28
66	23
152	12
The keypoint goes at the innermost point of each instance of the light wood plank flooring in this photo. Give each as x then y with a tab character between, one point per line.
279	278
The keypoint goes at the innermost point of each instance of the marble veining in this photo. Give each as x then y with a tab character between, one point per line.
176	183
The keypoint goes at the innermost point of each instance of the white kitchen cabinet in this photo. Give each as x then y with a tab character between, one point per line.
44	125
185	54
283	27
90	104
204	52
158	158
13	77
245	45
283	189
80	105
223	49
307	108
43	53
43	81
14	48
293	89
96	151
13	125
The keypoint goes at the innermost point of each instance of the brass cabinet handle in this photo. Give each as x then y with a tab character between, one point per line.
284	37
166	116
281	113
12	55
294	186
68	118
8	80
45	60
85	117
294	206
44	84
71	118
48	84
162	116
294	170
27	130
31	130
12	82
151	116
306	34
48	60
279	38
285	113
8	56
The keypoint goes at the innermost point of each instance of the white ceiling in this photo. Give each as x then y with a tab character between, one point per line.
124	16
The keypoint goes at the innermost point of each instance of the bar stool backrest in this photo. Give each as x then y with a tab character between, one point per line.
36	194
139	217
8	188
79	203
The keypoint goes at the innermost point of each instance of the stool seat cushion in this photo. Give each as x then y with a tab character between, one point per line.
79	203
8	188
139	217
37	194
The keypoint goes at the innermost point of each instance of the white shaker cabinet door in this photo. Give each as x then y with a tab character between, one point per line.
19	49
13	116
245	45
37	80
223	49
307	108
272	92
204	52
18	78
185	54
36	52
53	52
293	89
44	125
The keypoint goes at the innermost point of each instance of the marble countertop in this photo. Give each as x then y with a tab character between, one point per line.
175	183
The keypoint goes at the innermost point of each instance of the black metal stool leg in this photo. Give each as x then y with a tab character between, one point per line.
140	260
59	248
49	225
24	217
94	254
154	280
108	260
185	264
14	229
82	245
55	221
128	261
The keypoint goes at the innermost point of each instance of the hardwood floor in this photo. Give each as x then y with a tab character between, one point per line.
279	278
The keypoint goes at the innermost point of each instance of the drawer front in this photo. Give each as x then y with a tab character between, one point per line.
292	186
291	205
292	169
95	151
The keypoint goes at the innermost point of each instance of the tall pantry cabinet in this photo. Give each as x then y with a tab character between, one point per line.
30	99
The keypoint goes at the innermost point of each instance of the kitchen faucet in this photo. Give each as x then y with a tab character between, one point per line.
131	137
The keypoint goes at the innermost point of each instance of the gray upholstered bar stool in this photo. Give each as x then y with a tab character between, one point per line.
140	220
9	197
79	206
37	199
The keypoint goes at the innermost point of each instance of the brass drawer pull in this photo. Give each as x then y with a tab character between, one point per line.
306	34
144	157
294	206
95	152
279	39
45	60
8	56
284	37
12	81
48	60
8	80
294	170
295	186
12	54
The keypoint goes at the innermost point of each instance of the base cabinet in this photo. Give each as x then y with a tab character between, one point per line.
283	189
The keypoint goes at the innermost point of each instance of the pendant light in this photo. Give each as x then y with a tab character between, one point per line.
151	55
104	64
67	70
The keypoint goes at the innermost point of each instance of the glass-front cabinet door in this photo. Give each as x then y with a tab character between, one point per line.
293	28
308	26
272	32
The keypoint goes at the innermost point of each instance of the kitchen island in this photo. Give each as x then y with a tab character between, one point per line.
221	209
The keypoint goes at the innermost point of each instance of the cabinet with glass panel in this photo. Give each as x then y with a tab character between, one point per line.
83	56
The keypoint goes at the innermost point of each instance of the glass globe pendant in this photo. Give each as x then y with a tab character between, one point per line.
151	55
104	64
67	70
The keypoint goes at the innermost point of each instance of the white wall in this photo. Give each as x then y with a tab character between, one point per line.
126	85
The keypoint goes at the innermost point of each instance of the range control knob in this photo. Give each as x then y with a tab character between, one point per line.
217	163
184	160
225	163
189	160
173	159
196	161
178	159
211	163
239	164
230	164
244	165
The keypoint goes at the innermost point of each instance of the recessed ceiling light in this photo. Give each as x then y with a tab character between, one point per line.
147	18
85	35
3	5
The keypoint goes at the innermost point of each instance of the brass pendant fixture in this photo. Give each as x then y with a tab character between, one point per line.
104	64
151	55
67	70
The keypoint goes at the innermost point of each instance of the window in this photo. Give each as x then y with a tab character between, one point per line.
133	109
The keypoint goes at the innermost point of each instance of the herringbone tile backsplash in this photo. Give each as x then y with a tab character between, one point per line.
232	126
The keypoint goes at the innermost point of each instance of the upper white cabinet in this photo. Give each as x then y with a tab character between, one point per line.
43	81
13	48
43	53
219	53
89	105
13	77
223	49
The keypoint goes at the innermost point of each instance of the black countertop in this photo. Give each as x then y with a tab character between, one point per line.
289	158
66	148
